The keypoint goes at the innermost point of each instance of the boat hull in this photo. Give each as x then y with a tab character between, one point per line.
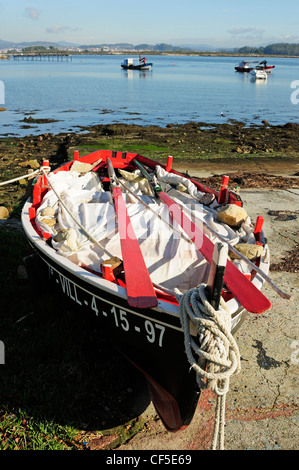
136	67
150	338
259	74
244	69
267	68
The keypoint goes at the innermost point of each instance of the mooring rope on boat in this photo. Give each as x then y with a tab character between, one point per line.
28	175
218	353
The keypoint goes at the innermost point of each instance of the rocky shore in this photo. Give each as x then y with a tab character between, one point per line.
257	156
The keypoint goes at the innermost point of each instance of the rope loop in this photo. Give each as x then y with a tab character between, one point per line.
216	349
28	175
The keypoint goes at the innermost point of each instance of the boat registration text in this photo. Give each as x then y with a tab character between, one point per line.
128	321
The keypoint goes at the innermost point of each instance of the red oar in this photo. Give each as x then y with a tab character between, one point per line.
249	296
140	290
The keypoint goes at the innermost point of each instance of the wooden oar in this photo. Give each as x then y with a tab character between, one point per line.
249	296
140	290
253	266
216	274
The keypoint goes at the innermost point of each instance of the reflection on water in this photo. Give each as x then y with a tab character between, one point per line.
95	90
258	81
131	74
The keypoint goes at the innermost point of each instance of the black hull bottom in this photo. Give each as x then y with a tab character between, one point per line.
137	67
154	349
243	69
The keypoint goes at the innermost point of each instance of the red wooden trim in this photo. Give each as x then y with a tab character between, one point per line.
223	190
258	230
152	165
36	195
247	294
140	290
169	163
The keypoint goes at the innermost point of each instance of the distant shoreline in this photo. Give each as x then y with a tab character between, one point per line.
150	53
193	53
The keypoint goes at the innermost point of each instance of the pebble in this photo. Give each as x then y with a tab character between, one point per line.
31	164
48	211
249	250
68	237
232	215
3	213
21	272
50	221
81	167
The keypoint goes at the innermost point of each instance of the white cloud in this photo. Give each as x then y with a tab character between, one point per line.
245	31
57	29
285	38
250	36
32	13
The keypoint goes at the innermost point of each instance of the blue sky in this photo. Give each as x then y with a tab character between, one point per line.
228	23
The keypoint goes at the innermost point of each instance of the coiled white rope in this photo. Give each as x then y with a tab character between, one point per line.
218	352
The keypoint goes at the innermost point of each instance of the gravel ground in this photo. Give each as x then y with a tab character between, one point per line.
262	404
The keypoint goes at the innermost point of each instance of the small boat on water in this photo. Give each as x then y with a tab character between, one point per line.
136	244
128	64
264	66
259	74
246	66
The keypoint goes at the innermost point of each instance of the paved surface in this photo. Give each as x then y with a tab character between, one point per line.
262	404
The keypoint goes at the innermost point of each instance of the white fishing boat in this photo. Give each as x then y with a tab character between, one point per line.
130	64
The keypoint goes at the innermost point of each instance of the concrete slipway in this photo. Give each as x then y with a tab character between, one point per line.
262	404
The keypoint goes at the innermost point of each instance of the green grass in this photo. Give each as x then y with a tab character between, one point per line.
224	141
142	148
20	432
60	376
25	410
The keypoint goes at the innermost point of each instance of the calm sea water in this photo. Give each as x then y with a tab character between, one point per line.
95	90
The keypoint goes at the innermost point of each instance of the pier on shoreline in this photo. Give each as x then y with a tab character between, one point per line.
42	56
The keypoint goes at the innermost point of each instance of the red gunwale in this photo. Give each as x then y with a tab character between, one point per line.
120	160
123	160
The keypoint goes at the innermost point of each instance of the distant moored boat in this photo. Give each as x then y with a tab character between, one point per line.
128	64
245	66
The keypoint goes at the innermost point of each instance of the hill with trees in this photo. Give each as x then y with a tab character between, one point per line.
281	48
